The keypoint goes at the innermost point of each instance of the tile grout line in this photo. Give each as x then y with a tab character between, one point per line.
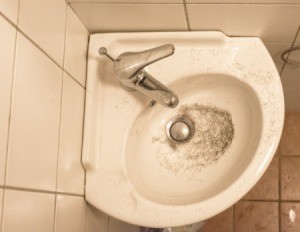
60	117
40	191
10	115
186	16
83	121
38	47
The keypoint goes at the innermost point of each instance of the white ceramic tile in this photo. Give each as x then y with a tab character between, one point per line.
44	22
76	47
96	220
129	1
28	211
116	225
70	214
272	23
131	17
10	9
291	84
275	50
33	143
70	171
7	48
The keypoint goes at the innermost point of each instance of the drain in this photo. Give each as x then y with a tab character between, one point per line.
180	129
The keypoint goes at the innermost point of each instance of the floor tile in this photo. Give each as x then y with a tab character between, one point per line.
290	140
250	216
290	178
223	222
28	211
290	217
267	187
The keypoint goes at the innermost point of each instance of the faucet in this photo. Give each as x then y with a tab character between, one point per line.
129	70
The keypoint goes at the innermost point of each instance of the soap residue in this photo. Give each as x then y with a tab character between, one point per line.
214	132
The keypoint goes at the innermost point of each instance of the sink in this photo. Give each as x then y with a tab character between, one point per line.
230	90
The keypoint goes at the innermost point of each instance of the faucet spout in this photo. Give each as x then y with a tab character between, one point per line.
151	87
129	70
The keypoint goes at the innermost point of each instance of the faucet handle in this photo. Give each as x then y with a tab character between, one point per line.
129	63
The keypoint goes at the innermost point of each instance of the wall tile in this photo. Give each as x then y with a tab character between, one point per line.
116	225
295	58
33	145
44	22
290	213
223	222
291	86
290	139
298	37
8	34
272	23
28	211
290	178
70	214
70	171
76	47
252	216
275	50
10	9
267	187
131	17
96	220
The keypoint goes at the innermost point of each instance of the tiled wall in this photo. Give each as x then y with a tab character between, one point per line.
275	21
43	48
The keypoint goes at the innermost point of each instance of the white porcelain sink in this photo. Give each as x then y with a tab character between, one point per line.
134	173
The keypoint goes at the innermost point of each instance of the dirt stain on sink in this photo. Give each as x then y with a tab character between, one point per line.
214	133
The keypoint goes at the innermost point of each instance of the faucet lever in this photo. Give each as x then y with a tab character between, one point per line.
130	63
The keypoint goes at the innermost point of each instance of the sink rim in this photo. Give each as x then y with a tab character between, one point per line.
170	216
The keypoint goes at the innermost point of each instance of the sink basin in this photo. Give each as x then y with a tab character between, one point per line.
135	173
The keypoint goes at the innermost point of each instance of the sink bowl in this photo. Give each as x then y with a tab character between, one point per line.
135	173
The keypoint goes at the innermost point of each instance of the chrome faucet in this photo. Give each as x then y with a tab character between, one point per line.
129	70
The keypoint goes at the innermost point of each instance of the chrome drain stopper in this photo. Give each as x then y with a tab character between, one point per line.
180	129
